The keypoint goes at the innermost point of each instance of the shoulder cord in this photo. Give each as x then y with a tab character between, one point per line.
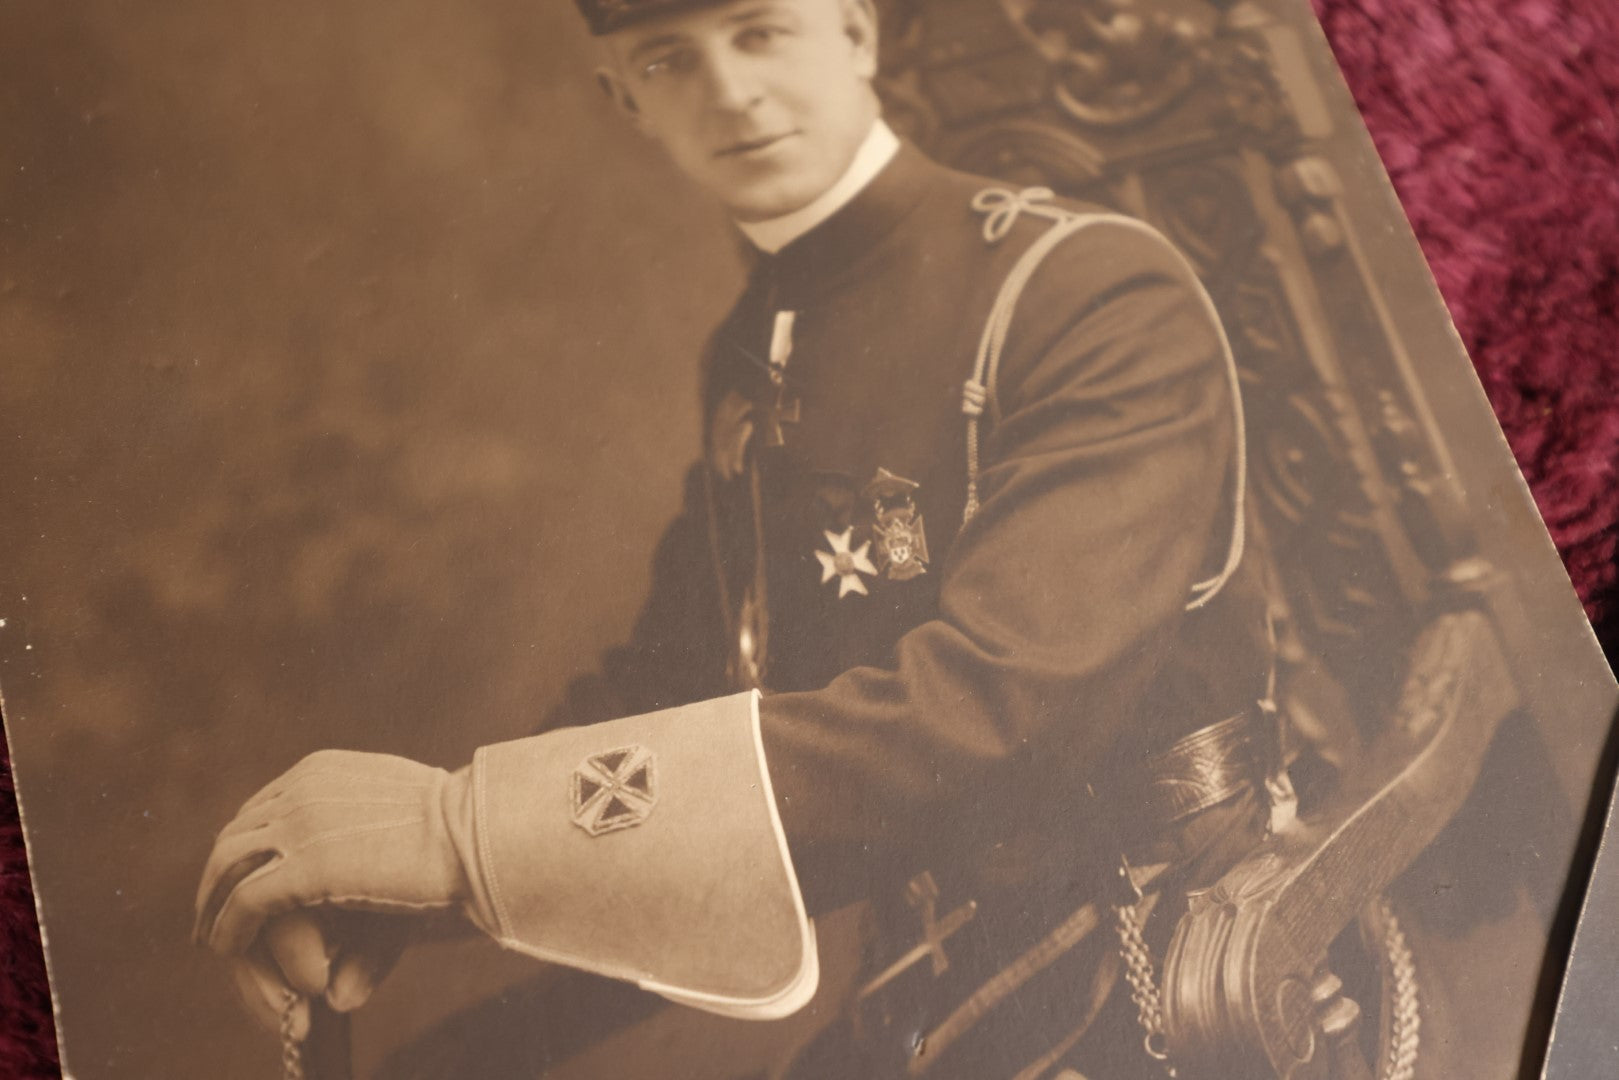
1002	208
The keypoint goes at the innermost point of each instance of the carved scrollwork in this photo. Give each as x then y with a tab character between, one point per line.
1252	99
1307	484
1312	488
1027	152
1309	187
1308	492
1114	62
1295	458
1429	504
908	109
1207	211
959	61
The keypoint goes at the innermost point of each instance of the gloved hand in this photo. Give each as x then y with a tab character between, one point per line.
341	831
340	956
304	887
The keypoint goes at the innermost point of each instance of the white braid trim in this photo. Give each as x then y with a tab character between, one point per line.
1002	208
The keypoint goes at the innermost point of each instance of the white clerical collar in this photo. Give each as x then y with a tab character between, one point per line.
877	151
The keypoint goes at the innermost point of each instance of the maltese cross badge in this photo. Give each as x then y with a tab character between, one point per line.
845	563
614	789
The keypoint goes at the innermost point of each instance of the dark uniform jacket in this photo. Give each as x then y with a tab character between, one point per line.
1047	645
985	719
958	710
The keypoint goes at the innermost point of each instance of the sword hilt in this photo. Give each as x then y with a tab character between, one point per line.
327	1052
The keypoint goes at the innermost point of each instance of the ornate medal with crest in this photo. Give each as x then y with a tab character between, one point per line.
900	542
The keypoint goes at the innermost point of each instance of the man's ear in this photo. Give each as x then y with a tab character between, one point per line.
860	24
612	84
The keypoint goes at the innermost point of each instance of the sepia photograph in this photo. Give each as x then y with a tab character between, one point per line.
763	540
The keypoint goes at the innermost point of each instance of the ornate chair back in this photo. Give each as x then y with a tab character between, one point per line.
1206	118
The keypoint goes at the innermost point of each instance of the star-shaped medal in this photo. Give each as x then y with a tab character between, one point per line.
844	564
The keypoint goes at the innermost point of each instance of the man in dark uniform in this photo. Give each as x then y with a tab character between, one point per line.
971	516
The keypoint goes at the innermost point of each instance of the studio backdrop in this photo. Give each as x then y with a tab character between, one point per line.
351	370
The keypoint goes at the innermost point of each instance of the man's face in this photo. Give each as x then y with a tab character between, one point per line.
762	102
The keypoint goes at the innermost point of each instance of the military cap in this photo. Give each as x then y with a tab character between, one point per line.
607	16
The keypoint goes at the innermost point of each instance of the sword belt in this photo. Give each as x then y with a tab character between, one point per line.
1209	767
1203	770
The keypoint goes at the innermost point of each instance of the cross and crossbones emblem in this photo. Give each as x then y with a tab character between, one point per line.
922	893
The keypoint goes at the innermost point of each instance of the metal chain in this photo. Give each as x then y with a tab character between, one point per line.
1405	1018
1138	972
1405	1026
292	1051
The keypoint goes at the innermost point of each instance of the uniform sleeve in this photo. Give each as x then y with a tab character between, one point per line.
1105	495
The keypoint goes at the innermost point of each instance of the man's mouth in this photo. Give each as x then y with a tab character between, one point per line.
752	146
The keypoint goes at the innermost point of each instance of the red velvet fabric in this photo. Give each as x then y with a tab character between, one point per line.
1499	121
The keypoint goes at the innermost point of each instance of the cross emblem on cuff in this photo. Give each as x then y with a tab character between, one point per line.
614	789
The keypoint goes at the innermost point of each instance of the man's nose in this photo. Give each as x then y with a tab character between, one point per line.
732	85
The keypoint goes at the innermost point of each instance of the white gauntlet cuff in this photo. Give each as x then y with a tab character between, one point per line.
649	849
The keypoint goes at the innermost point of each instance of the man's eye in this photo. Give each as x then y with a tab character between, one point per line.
677	62
759	37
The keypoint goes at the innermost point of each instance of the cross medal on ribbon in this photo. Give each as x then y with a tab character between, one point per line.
735	419
785	409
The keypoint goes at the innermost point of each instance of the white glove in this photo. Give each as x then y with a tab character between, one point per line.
305	886
336	955
340	830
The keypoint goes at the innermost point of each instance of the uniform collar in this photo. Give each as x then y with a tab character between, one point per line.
874	154
841	244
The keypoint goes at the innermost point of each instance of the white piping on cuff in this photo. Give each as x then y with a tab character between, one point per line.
797	993
791	997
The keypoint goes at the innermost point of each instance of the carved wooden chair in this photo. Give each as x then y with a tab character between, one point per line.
1206	118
